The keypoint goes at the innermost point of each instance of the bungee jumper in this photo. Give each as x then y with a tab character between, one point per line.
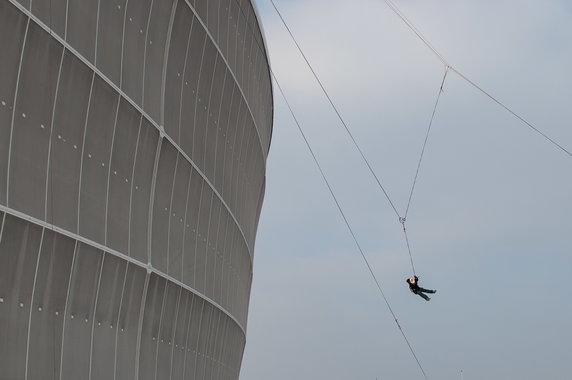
415	288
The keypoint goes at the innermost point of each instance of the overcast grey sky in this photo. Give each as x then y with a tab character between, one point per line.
490	224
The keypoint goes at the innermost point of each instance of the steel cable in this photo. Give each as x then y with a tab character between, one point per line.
337	112
425	143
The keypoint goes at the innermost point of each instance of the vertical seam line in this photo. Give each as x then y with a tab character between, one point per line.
48	164
170	212
140	326
165	294
109	169
94	312
14	103
152	197
165	63
66	306
133	183
82	153
32	297
118	319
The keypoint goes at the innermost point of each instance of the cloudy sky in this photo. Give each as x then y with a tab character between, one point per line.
490	224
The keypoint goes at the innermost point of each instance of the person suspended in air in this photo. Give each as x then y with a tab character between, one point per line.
415	288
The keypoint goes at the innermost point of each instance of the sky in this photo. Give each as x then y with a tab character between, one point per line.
489	225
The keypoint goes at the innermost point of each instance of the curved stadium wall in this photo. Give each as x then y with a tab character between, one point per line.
133	145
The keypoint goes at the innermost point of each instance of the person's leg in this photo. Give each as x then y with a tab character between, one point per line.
424	296
427	290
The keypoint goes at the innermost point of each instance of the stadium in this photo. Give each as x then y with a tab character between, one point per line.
133	146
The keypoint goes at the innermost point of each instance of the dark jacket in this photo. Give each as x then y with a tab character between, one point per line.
413	283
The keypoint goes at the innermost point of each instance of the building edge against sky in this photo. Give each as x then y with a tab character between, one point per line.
133	146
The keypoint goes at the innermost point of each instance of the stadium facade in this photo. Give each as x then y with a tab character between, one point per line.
133	145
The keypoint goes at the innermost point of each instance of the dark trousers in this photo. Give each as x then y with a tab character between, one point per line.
420	291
